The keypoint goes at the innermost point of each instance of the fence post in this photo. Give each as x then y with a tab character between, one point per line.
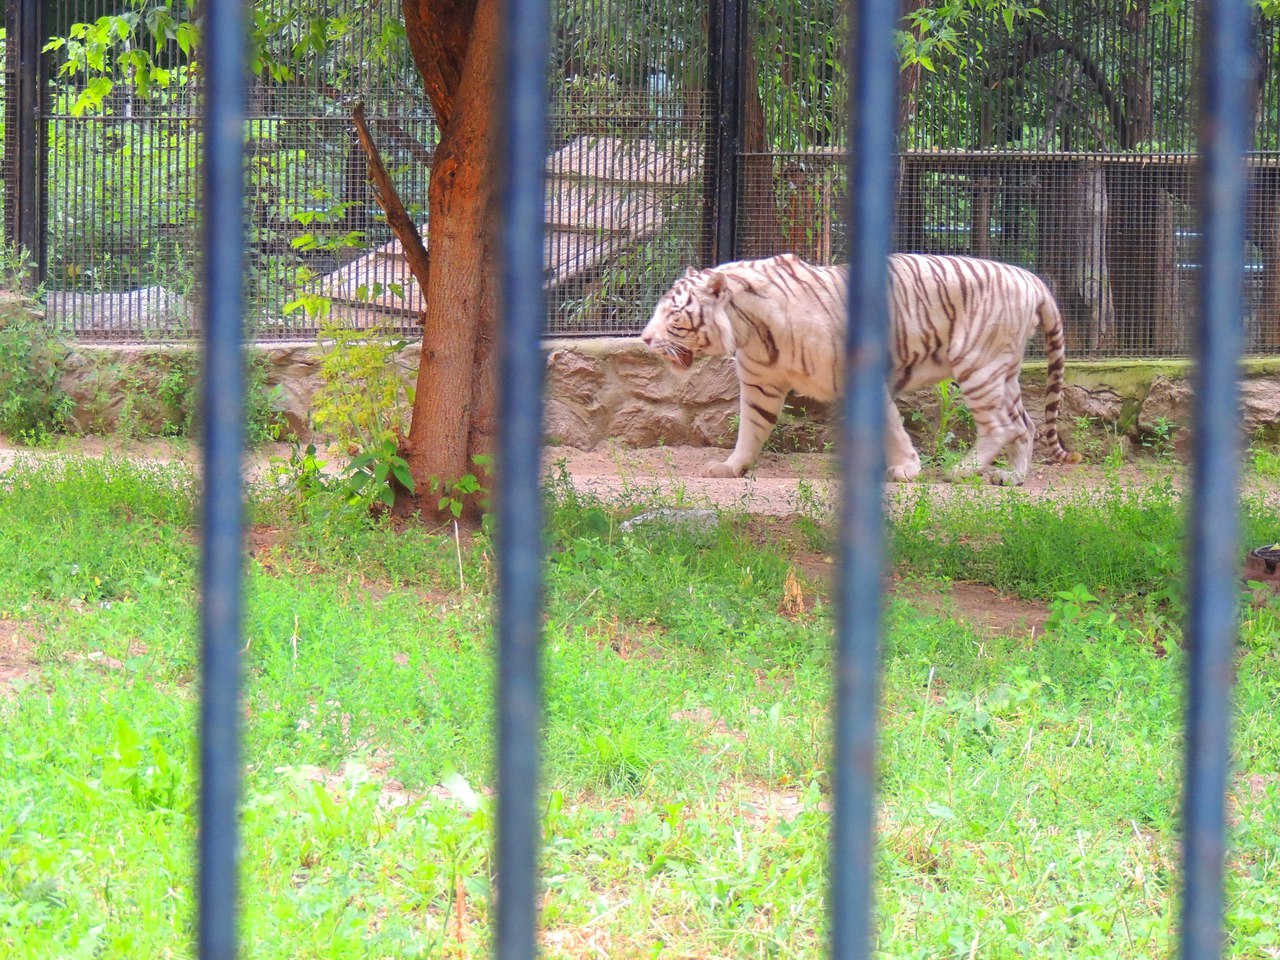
873	72
25	138
726	32
522	145
1226	123
222	509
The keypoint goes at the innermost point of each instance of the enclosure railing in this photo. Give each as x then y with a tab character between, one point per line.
1059	140
1213	543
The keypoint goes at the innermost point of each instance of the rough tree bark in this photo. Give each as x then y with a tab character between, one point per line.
760	230
1072	250
455	45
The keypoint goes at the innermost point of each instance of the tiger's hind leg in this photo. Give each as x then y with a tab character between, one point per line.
902	461
999	425
1020	447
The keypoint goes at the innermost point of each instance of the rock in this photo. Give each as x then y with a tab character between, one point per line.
572	375
1103	405
697	519
712	380
716	427
567	425
641	424
1261	402
645	375
1168	402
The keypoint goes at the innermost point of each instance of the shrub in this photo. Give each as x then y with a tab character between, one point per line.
31	403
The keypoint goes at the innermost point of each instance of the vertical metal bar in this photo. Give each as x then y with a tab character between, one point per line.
522	168
725	35
873	71
1214	564
222	517
25	139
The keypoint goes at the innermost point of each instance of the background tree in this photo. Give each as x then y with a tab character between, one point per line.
455	47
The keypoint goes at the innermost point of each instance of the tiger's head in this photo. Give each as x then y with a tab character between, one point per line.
690	320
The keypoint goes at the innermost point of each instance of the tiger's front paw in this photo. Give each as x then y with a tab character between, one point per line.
903	472
725	469
1005	478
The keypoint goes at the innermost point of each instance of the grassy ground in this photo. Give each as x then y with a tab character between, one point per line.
1030	783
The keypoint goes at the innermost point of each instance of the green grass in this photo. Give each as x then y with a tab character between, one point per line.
1029	787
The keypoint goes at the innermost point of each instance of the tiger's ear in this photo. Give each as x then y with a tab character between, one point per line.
691	272
716	285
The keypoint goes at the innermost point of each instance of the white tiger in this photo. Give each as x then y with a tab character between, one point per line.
783	320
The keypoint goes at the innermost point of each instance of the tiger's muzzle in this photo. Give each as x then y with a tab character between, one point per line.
676	355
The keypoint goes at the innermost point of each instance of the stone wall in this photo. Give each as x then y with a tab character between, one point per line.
615	388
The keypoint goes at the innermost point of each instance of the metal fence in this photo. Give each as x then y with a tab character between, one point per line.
122	192
1213	547
1060	139
680	131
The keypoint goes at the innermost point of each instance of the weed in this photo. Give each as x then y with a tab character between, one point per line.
1265	462
363	400
372	476
453	495
1114	460
952	415
32	405
1159	439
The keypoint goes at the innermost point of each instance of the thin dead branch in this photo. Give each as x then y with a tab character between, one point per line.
384	191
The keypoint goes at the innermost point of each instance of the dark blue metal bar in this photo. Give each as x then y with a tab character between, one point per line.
222	516
726	34
1226	120
873	69
25	139
522	162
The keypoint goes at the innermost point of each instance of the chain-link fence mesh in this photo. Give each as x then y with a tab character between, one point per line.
1059	139
1057	136
625	190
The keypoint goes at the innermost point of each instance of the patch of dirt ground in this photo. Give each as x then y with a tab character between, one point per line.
981	607
17	655
778	485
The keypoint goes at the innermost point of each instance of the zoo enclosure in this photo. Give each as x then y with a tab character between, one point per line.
681	131
1213	585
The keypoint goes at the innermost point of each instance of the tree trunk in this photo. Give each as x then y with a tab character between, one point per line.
760	230
456	48
1071	250
909	81
1140	241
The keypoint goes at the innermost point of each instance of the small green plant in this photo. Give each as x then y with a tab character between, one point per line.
1114	459
1265	462
16	270
372	476
952	413
813	514
302	472
453	496
1159	439
32	405
363	400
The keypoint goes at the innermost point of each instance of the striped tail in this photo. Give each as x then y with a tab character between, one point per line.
1055	353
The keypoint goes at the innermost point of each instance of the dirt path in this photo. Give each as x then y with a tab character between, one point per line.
781	484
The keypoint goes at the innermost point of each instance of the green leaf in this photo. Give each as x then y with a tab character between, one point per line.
404	476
